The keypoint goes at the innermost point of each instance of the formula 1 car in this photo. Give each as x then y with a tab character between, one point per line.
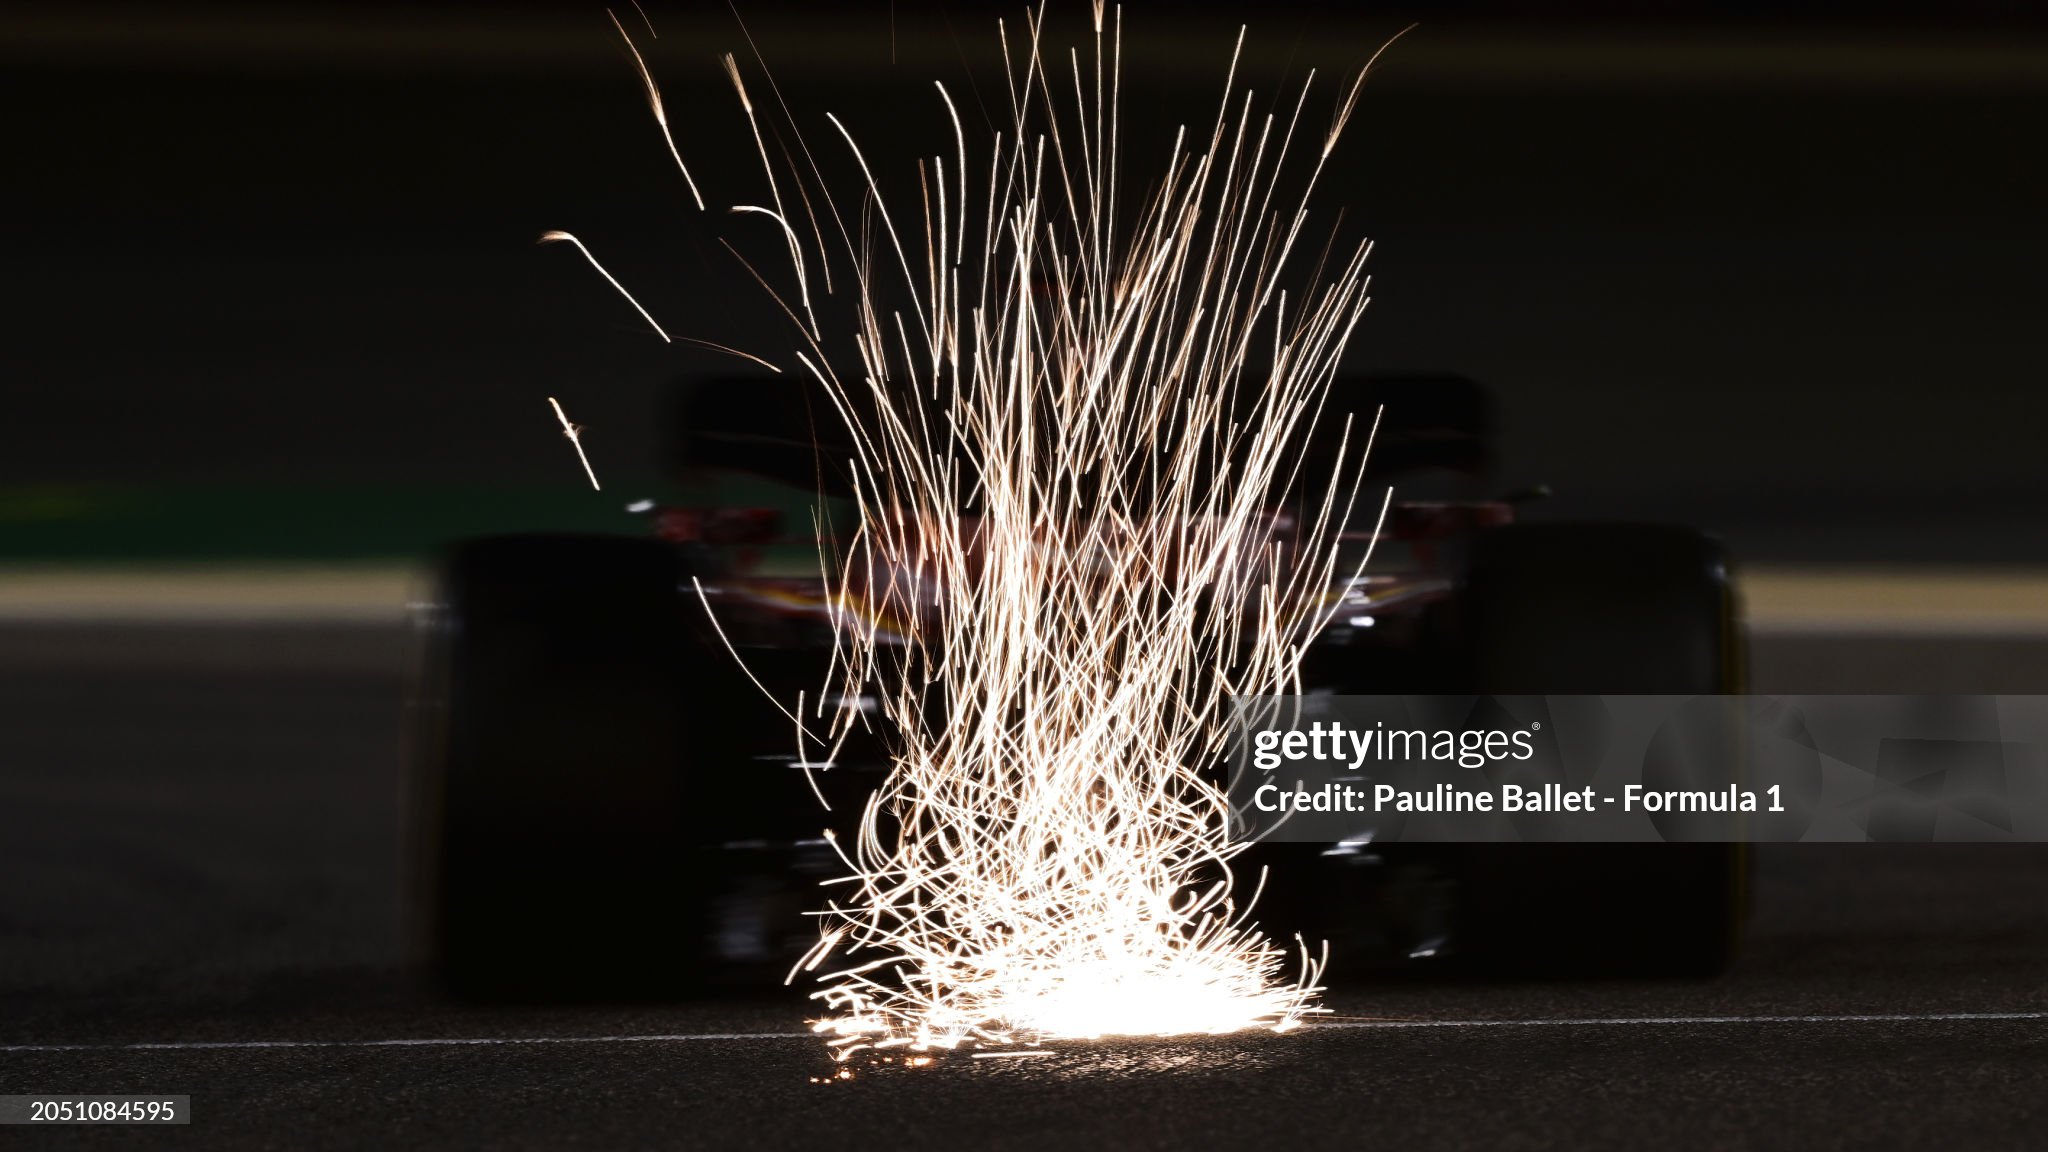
607	806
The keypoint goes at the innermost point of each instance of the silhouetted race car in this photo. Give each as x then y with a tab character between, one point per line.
606	805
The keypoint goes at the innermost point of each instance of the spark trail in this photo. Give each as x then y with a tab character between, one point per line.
1076	422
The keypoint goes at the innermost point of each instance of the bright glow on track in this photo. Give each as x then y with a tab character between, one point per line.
1318	1026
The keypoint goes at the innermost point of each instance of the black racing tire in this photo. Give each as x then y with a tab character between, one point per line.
552	728
1561	609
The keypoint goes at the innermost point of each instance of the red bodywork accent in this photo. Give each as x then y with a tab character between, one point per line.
718	525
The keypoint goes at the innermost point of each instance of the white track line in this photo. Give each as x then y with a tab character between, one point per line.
421	1042
1587	1021
680	1037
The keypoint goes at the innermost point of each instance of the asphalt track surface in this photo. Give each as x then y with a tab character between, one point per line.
199	852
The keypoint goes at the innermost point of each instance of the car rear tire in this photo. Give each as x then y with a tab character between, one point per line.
550	815
1601	609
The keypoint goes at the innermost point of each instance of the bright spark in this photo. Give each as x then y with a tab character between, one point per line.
566	238
653	92
1082	530
575	434
645	20
716	347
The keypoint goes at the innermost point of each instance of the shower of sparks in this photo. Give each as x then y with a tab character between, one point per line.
1077	420
575	434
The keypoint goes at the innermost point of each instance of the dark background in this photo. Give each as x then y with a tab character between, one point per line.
1781	276
269	291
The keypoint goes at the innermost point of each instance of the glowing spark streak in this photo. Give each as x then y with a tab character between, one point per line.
564	237
660	112
716	347
960	150
575	434
645	20
705	600
803	146
1043	860
796	256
